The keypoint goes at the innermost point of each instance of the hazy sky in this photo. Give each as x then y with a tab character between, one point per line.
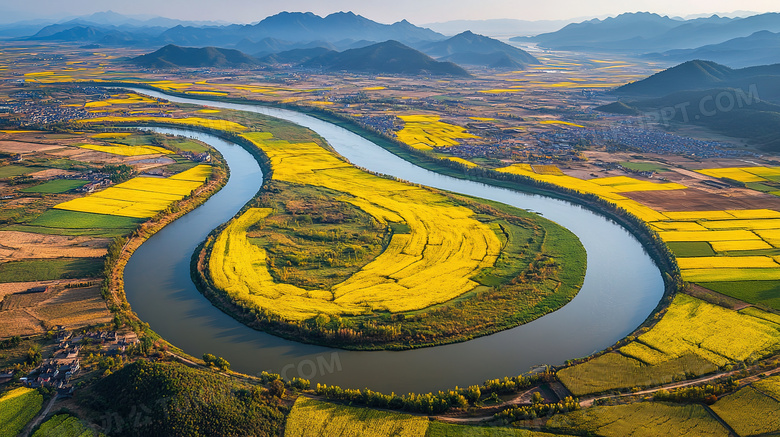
386	11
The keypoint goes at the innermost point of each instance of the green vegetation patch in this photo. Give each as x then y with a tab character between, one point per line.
65	425
47	269
312	240
751	411
642	419
9	171
311	418
173	399
61	222
764	293
687	249
55	187
17	408
441	429
644	166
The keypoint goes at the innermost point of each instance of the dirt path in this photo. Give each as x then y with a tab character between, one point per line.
31	426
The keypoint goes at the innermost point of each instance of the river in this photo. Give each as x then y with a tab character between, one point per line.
622	285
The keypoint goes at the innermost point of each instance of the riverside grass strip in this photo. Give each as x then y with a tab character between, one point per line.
428	265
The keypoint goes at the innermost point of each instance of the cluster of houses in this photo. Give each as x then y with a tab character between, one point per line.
57	371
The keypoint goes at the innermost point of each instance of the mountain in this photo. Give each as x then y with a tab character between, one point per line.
760	48
703	75
643	32
301	27
471	49
736	115
389	57
172	56
740	103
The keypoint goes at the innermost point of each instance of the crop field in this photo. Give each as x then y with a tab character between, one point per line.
64	425
314	418
62	222
193	121
399	279
641	419
562	123
753	409
55	186
765	293
125	150
17	407
744	174
426	132
45	269
693	337
140	197
9	171
442	429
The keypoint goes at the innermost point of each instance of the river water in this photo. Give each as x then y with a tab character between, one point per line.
622	285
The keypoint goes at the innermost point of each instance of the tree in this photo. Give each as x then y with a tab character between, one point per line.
276	388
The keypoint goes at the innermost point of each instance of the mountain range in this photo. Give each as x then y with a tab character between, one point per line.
759	48
644	32
389	57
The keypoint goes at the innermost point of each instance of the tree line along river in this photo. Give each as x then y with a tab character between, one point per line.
622	285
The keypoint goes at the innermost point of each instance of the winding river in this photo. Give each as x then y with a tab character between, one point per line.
622	285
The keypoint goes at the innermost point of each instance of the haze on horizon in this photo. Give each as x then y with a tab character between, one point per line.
415	11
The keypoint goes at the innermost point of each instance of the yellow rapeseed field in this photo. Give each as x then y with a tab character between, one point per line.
140	197
431	264
426	132
195	121
125	150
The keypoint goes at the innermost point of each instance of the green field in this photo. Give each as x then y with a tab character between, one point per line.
441	429
47	269
9	171
62	222
17	408
54	187
644	166
64	425
310	418
685	249
188	146
764	293
752	411
643	419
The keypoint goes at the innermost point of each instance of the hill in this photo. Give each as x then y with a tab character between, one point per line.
389	57
702	75
172	56
295	56
760	48
471	49
643	32
173	399
740	103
